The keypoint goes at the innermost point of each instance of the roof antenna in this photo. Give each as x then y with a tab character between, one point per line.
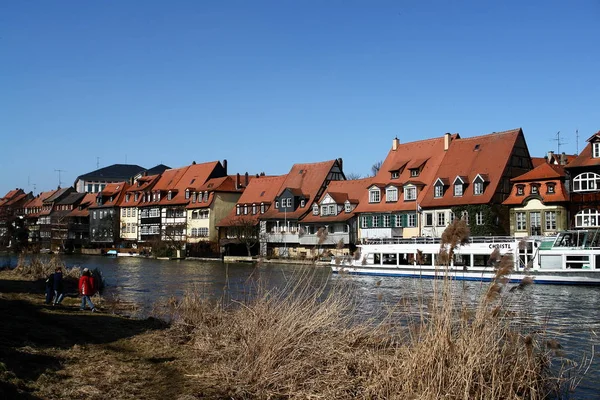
577	141
59	172
558	142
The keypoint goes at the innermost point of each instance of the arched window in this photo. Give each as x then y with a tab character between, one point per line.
586	182
587	218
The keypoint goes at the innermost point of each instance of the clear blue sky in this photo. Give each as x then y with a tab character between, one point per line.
269	84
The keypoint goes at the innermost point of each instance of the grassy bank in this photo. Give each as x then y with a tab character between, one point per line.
298	342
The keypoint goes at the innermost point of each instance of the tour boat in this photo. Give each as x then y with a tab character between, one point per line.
569	257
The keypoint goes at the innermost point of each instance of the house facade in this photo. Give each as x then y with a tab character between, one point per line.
584	186
96	181
105	215
12	222
130	214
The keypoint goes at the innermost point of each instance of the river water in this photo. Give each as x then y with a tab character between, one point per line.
571	314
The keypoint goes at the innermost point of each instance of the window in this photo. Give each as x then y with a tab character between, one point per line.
237	210
127	198
332	210
535	220
205	196
410	193
587	218
521	221
195	214
89	187
550	188
194	231
123	212
315	209
203	232
550	218
324	209
302	203
288	202
386	221
154	212
391	194
193	197
428	219
458	189
534	189
245	209
395	174
438	191
596	150
375	221
465	216
414	172
398	221
520	190
374	195
478	188
347	207
135	197
441	219
129	212
586	182
479	218
277	204
411	220
262	208
364	223
187	194
169	195
253	209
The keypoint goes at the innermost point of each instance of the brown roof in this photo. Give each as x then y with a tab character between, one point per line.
427	153
560	193
306	179
467	157
216	185
116	191
263	189
341	191
543	171
585	159
538	161
82	210
178	180
38	201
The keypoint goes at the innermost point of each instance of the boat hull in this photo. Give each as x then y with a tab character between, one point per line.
587	278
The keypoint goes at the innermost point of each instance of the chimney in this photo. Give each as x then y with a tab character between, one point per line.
550	155
237	180
225	166
341	162
246	180
395	144
563	159
447	141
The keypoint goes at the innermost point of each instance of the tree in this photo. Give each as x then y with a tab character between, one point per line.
352	176
245	231
376	167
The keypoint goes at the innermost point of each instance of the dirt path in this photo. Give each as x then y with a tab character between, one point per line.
61	352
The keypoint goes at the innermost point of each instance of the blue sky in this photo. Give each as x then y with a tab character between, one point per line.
266	84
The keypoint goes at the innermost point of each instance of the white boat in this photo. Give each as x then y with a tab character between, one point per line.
570	257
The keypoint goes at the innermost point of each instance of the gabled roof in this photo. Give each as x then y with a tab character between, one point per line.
115	172
38	201
215	185
82	209
427	153
178	180
71	199
307	179
466	157
115	191
262	189
560	194
58	194
340	191
156	170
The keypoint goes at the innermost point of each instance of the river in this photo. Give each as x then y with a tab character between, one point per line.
571	314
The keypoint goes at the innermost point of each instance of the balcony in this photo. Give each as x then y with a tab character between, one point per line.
331	239
282	237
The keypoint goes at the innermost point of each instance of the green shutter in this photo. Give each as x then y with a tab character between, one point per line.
369	221
404	220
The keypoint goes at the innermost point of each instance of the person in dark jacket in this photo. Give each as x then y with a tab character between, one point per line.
58	286
49	288
86	289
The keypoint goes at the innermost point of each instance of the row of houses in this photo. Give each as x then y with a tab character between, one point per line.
491	181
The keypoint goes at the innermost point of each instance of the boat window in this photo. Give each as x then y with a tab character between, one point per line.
578	262
390	259
376	258
480	260
406	259
462	260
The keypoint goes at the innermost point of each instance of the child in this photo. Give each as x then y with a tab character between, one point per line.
86	289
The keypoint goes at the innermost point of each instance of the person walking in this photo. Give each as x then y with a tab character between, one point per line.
58	286
86	289
49	288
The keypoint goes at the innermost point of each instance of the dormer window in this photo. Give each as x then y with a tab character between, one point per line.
347	206
391	194
187	194
245	209
262	208
206	196
237	210
550	188
277	204
410	193
395	174
477	188
315	209
374	195
596	150
288	202
169	195
302	203
253	209
127	198
535	189
414	172
438	191
193	197
135	197
520	190
459	184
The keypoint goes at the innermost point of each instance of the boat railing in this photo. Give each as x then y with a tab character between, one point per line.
436	240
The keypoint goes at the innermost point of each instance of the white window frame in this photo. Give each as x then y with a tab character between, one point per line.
478	188
550	220
479	218
411	220
347	207
363	222
458	189
414	172
520	221
315	209
440	219
410	193
386	220
395	175
587	180
374	195
391	194
428	215
596	150
438	191
588	218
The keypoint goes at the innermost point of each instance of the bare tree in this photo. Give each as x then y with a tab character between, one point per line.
352	176
376	167
245	230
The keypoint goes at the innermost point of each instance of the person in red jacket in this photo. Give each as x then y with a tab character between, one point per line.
86	289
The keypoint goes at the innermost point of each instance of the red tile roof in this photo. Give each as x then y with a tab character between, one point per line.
543	171
306	179
38	202
178	180
116	191
538	161
585	159
426	153
83	209
467	157
225	184
340	191
263	189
